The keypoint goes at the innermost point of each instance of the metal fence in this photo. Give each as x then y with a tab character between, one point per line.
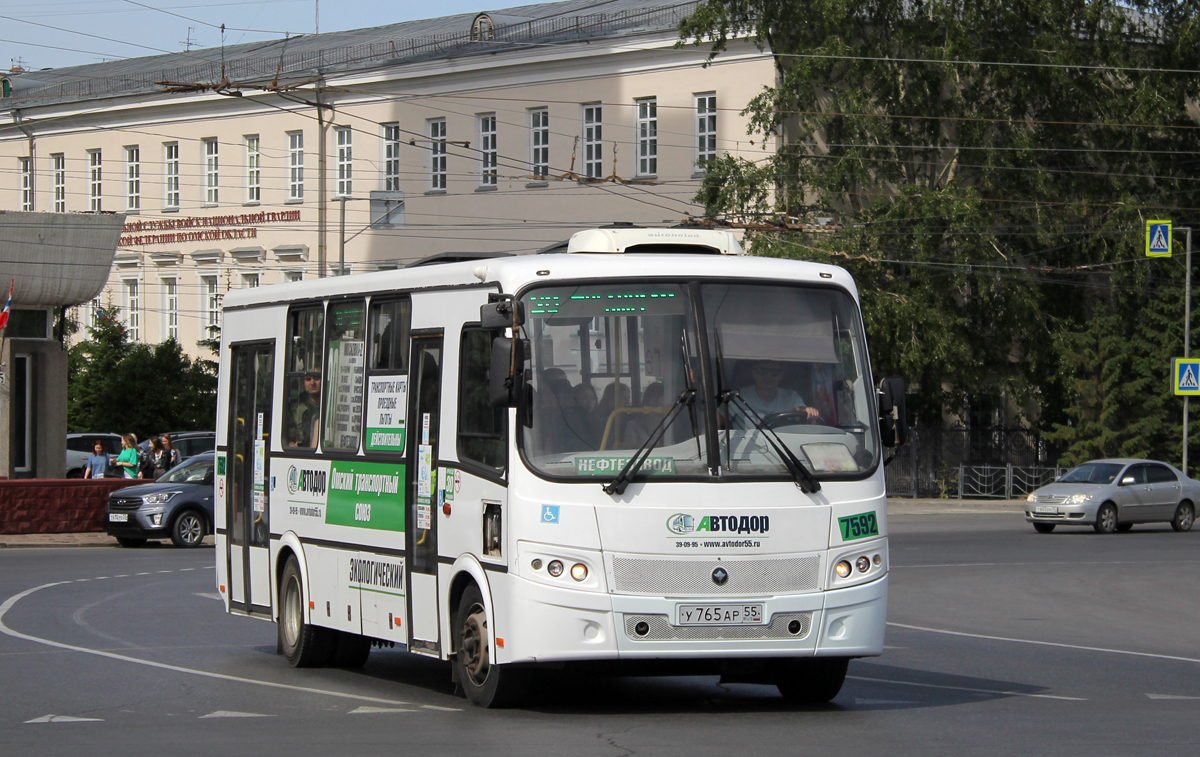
948	461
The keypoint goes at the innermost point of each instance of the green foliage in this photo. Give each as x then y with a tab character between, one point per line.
993	165
114	385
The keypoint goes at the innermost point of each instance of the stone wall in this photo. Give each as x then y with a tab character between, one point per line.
56	506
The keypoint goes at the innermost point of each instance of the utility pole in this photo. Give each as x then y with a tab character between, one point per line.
1187	341
322	210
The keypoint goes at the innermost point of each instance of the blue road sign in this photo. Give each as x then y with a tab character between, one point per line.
1158	239
1185	375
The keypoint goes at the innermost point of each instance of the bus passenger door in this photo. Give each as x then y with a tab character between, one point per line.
423	419
247	515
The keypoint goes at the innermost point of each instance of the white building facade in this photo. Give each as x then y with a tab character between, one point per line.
466	135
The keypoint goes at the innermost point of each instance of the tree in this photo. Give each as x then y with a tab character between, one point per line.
992	165
117	386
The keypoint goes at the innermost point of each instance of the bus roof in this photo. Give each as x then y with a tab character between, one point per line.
642	256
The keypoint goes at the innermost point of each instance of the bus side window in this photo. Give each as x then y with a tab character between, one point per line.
389	335
302	397
482	429
346	358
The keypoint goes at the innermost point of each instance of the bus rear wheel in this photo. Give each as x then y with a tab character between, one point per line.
485	683
812	681
304	645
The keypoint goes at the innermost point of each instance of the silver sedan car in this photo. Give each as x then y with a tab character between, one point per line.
1113	495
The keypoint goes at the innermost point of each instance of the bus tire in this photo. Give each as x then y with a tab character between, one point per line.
813	680
304	645
484	683
350	650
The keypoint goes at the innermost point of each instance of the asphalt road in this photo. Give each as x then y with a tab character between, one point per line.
1002	641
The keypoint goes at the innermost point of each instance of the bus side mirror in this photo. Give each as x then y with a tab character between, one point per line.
498	313
893	419
506	376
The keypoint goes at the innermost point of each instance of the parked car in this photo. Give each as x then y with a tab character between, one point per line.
189	443
79	448
1113	495
179	506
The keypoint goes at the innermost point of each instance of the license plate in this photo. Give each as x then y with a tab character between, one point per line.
1046	509
720	615
118	517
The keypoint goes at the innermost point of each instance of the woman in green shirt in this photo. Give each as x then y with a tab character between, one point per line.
128	457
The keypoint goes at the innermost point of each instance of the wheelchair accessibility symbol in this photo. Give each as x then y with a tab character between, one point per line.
550	514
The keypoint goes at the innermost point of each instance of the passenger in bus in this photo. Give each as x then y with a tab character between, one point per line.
766	397
581	419
636	427
302	426
612	400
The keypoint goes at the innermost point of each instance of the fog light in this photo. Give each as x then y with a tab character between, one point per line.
863	564
579	571
842	568
536	564
156	519
642	628
878	560
794	627
555	568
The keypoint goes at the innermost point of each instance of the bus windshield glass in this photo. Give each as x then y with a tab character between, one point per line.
791	369
608	363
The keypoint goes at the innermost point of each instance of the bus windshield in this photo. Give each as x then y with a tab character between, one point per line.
610	360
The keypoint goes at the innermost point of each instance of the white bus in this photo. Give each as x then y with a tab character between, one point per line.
640	450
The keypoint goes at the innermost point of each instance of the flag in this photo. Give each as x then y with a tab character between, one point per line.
7	305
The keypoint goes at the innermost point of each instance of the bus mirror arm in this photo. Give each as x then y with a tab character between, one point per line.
505	379
893	417
501	312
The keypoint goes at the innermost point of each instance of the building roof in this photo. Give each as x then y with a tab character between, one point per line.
300	59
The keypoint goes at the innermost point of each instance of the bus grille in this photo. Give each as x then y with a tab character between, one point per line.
690	578
662	630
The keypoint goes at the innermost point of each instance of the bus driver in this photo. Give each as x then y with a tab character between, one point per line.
767	398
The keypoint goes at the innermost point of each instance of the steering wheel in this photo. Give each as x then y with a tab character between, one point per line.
775	420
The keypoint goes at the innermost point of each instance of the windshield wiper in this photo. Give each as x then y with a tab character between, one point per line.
803	477
617	485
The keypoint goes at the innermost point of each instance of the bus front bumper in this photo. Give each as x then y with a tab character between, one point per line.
558	624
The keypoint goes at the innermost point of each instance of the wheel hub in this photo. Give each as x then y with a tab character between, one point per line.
474	654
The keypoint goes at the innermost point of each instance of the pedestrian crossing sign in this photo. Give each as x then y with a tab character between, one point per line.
1158	239
1185	375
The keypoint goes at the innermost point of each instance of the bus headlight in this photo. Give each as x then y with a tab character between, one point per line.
842	568
555	568
863	564
579	571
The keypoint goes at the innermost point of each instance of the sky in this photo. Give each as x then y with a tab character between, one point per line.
58	33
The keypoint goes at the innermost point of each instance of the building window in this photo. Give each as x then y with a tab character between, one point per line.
95	195
211	318
171	174
391	157
487	150
26	183
539	143
295	165
345	157
249	280
171	308
133	310
437	154
647	137
133	178
592	139
293	276
706	129
211	173
253	170
60	182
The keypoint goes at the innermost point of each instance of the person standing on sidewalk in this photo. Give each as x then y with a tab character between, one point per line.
97	462
128	459
171	451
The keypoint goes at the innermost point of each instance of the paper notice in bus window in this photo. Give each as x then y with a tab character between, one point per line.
830	457
387	402
611	466
346	367
425	470
424	516
260	464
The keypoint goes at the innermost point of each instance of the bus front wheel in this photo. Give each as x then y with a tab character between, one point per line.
304	645
485	683
812	680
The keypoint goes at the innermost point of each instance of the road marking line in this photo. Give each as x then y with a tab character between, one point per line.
858	700
1047	643
141	574
232	714
1169	696
166	571
365	710
440	709
964	688
209	595
185	570
11	601
123	575
64	719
